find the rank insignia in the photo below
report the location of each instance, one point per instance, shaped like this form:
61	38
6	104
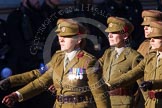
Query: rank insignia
63	29
111	24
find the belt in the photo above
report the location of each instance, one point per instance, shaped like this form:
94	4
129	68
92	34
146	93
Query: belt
153	94
73	98
120	92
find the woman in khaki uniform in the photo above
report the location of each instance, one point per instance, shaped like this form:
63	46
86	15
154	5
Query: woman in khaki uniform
76	81
150	68
114	65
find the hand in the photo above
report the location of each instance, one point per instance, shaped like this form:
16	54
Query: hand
10	99
52	89
146	85
5	84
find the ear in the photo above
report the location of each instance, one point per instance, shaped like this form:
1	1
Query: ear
79	39
125	36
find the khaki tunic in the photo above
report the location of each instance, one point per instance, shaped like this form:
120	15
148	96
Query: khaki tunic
127	60
25	78
151	71
56	75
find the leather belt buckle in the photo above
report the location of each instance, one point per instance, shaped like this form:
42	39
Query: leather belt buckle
70	99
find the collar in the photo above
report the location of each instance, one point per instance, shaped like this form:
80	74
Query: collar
119	50
72	54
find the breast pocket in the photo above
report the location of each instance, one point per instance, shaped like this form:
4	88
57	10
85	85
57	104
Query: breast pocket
120	69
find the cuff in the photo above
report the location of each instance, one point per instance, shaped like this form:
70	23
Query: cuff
19	96
108	84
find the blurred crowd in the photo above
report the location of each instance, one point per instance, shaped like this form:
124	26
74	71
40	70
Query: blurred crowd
24	34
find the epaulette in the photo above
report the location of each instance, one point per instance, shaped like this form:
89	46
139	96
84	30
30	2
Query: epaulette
128	50
110	49
59	51
84	53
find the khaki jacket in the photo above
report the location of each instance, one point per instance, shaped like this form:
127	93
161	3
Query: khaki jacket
126	61
150	70
92	77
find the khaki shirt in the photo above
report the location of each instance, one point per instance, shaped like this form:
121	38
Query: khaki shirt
92	77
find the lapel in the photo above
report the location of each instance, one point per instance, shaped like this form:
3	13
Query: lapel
109	59
108	65
122	56
72	63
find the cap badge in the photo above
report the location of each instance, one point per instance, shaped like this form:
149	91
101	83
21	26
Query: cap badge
145	18
111	24
63	29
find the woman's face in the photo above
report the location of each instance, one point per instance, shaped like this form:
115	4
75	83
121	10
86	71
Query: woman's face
69	43
147	30
156	43
117	39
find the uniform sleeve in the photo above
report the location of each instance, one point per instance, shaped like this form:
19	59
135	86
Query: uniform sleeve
24	78
37	86
27	77
139	81
129	77
97	85
40	84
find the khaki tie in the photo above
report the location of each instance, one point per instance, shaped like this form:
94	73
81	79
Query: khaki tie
66	62
115	56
